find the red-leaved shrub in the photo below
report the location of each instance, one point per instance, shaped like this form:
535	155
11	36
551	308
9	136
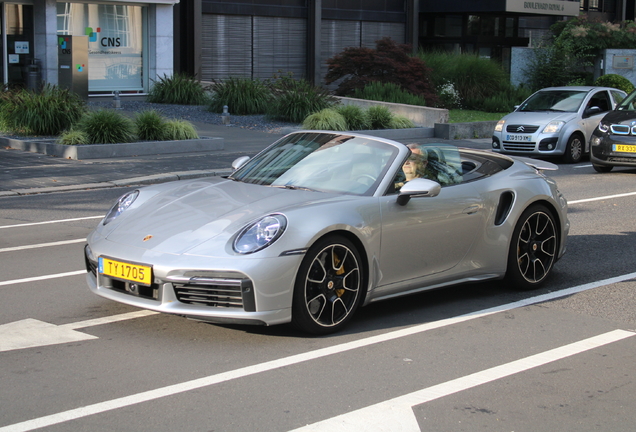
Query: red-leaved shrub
389	62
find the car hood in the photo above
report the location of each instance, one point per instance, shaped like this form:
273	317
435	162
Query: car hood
538	117
618	117
177	219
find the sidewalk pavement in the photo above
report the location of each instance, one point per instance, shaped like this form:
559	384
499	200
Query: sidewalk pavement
23	173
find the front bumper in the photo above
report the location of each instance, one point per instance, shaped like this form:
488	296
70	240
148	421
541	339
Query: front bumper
604	151
535	144
238	290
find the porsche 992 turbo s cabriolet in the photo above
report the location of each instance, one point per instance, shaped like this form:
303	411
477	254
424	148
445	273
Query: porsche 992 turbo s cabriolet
322	223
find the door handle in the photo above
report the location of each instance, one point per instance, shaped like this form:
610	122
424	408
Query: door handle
471	209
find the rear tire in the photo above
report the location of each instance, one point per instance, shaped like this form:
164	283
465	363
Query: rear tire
329	286
575	149
533	248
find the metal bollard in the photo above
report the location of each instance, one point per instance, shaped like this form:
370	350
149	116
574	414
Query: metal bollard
225	117
116	101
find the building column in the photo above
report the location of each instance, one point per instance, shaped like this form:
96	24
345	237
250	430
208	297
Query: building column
314	38
413	24
160	41
45	38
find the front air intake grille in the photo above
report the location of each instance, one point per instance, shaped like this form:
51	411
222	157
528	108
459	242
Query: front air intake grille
210	295
214	292
522	129
518	146
618	129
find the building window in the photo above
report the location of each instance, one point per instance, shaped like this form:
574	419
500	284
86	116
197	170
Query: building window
115	37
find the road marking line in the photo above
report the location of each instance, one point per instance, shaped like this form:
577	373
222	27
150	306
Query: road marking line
41	245
45	277
52	222
583	166
397	413
171	390
623	195
108	319
31	333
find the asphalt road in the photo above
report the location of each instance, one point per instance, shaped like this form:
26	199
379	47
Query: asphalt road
466	358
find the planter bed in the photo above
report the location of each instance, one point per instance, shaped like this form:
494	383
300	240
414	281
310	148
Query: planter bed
102	151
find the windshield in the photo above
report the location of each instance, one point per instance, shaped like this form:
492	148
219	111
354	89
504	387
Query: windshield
554	100
629	103
325	162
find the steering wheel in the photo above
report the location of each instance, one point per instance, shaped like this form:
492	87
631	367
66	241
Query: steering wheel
366	179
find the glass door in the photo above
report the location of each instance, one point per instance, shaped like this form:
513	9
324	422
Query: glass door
18	40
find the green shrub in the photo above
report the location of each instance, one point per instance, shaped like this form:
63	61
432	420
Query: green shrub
48	112
73	137
179	89
180	130
295	100
615	81
150	126
400	122
503	101
388	92
243	96
473	77
326	119
379	117
107	127
355	117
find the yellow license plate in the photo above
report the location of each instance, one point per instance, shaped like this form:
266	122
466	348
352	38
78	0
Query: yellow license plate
624	148
128	272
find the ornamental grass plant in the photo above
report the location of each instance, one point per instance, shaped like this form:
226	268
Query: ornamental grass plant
47	112
379	117
355	117
151	126
326	119
73	137
388	92
178	89
180	130
243	96
107	127
294	100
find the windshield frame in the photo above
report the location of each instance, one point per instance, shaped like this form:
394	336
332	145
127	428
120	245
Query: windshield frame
628	103
322	162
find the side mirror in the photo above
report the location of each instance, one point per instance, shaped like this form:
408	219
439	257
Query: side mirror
592	110
239	162
416	188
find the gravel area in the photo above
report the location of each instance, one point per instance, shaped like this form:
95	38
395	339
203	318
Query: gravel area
195	113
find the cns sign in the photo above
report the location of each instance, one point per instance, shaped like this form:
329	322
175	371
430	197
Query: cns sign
106	42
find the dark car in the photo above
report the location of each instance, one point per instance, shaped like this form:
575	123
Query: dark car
613	142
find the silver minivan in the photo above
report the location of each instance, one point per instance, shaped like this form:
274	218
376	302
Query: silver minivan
555	121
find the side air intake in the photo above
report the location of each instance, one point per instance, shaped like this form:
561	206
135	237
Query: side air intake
503	209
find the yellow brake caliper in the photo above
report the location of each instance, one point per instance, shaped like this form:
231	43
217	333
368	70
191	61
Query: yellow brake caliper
336	261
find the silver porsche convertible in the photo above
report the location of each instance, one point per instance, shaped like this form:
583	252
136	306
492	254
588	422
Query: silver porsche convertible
322	223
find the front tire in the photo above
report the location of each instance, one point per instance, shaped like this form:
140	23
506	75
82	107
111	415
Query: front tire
575	149
602	168
533	248
329	286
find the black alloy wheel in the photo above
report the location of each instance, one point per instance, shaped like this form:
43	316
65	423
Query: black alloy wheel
329	286
533	248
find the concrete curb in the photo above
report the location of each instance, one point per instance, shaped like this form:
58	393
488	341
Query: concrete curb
102	151
394	134
147	180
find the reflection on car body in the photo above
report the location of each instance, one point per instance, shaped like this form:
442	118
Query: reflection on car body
314	227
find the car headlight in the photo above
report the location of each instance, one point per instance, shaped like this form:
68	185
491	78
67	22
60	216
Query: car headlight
260	234
603	127
500	125
122	204
553	127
